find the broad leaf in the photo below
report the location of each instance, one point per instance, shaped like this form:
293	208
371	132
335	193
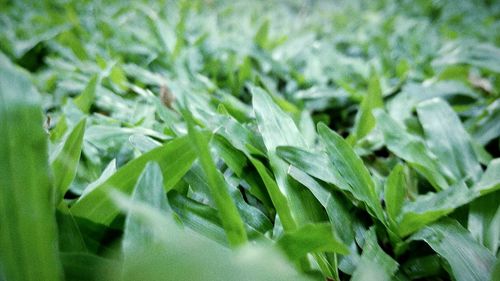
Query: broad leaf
448	140
468	260
175	159
411	149
352	169
375	264
311	238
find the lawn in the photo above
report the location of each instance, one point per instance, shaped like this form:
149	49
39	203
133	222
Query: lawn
249	140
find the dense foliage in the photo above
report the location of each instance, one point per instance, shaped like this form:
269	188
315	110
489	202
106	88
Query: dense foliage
249	140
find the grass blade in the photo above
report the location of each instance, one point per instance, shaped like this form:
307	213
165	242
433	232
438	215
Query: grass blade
219	191
28	239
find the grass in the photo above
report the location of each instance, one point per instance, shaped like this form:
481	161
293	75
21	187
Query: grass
268	140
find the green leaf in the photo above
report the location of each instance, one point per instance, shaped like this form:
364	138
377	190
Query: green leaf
395	192
276	127
28	238
473	53
490	180
219	191
69	234
311	238
85	100
199	217
278	199
235	159
321	193
365	121
175	159
180	254
87	267
261	37
65	164
238	135
496	271
375	264
337	209
352	169
448	140
432	206
421	267
468	260
118	77
59	130
484	220
315	164
148	190
411	149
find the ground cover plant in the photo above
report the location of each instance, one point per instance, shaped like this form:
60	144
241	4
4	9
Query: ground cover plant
249	140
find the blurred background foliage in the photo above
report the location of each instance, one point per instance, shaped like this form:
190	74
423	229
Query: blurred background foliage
195	110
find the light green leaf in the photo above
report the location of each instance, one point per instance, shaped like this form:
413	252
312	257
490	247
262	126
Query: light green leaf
448	140
315	164
311	238
365	121
85	100
484	221
276	127
219	191
473	53
66	162
375	264
148	190
28	239
181	254
395	192
199	217
352	169
411	149
430	207
490	180
278	199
